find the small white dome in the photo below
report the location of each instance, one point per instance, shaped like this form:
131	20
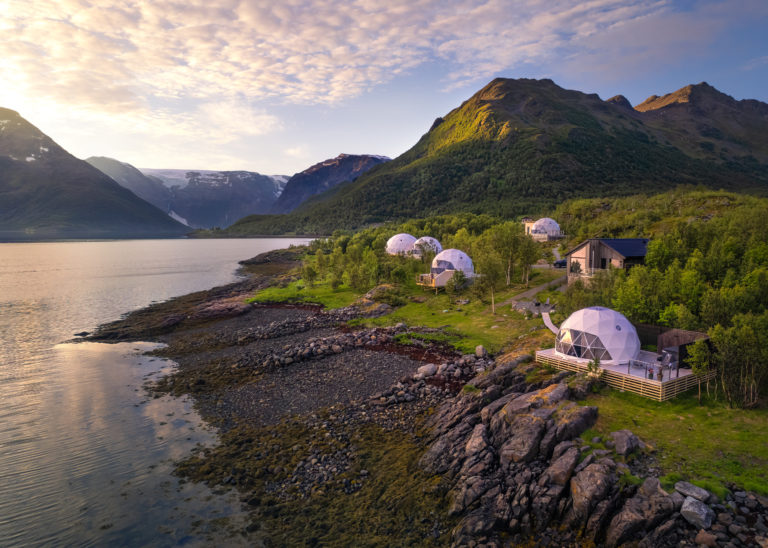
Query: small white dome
453	259
400	244
426	243
598	332
545	225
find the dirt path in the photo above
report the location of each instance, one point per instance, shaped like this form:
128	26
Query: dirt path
529	294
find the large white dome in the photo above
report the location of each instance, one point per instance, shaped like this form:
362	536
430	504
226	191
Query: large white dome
453	259
426	243
400	244
598	332
545	225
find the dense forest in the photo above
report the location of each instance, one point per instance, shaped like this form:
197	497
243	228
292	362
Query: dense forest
499	249
706	269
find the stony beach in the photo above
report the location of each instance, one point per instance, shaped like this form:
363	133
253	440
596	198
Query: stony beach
336	435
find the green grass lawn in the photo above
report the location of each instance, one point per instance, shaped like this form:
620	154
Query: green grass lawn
466	325
298	291
470	324
709	444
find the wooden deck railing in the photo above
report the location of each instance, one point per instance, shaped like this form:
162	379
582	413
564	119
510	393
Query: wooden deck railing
653	389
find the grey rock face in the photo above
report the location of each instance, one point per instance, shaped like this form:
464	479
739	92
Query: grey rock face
690	490
649	507
475	524
588	487
697	513
477	441
559	472
523	445
427	370
625	442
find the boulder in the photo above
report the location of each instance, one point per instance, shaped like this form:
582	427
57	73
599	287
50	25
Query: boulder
480	351
492	408
588	487
561	448
649	507
559	472
427	370
677	499
599	517
625	442
523	445
571	422
477	441
548	440
689	490
697	513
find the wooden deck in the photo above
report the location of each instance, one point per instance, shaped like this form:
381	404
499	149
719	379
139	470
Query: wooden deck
616	376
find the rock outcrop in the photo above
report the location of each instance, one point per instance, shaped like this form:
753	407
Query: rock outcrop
518	472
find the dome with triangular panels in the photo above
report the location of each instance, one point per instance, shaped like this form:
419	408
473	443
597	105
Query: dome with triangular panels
400	244
453	259
545	225
598	332
426	243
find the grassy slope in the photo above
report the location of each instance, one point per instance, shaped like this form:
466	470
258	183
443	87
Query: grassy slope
467	325
710	444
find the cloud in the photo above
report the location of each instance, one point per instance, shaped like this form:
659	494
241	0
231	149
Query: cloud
112	56
215	68
755	63
296	152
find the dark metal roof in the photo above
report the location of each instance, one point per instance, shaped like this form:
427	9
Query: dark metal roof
629	247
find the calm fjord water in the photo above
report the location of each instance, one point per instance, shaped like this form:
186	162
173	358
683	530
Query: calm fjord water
85	456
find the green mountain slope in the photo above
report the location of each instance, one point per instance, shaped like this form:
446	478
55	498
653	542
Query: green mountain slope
45	192
520	146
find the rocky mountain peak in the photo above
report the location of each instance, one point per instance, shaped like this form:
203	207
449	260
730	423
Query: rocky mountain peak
619	101
697	95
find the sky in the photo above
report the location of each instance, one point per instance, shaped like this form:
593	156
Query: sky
277	86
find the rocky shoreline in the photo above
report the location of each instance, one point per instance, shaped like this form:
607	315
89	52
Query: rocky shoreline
332	433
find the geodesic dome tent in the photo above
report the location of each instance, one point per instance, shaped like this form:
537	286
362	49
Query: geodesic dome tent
426	243
400	244
453	259
547	226
598	332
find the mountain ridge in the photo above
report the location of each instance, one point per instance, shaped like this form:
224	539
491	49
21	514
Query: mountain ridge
519	146
47	193
198	198
323	176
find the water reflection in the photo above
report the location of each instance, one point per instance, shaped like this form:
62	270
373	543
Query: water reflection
84	459
92	463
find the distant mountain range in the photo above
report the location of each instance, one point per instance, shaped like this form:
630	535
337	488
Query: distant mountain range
198	198
323	176
523	146
45	192
206	199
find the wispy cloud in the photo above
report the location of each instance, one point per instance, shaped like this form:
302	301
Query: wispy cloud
197	67
752	64
114	56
